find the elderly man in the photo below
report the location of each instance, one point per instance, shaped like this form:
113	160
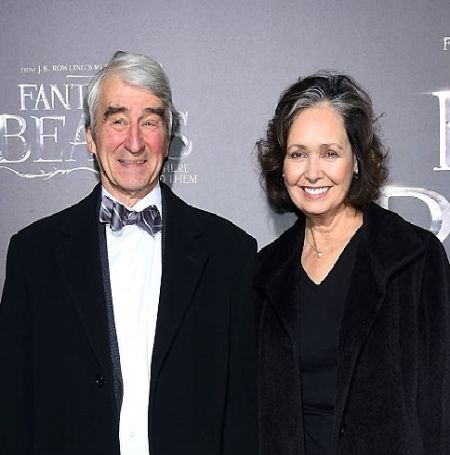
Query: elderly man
133	331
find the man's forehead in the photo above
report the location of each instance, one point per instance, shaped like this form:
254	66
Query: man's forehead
116	92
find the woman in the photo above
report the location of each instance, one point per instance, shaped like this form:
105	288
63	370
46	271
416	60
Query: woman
354	354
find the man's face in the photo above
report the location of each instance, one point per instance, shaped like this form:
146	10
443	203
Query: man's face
130	141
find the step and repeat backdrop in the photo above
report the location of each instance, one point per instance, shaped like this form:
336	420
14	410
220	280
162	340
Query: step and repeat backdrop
228	62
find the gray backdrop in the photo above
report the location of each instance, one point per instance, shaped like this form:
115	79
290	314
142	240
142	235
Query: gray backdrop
228	61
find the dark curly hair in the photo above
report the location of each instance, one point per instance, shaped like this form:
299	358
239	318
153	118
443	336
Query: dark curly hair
355	107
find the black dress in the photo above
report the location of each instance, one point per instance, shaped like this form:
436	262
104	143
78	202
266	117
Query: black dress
320	311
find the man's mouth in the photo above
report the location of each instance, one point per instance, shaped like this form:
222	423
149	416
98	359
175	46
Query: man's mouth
131	162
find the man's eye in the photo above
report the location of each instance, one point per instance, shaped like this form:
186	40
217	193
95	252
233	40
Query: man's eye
117	121
152	123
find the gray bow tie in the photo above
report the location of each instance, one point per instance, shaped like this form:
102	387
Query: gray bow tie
118	216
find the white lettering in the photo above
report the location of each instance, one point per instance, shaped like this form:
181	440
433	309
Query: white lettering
444	139
5	135
446	43
24	94
438	206
41	135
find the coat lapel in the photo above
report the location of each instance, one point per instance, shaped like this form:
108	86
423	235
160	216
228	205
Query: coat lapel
277	278
383	250
183	259
366	294
79	260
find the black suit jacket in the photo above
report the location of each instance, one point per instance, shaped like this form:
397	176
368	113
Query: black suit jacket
393	377
59	388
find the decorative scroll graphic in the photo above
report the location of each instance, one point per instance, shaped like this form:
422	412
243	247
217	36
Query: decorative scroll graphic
48	175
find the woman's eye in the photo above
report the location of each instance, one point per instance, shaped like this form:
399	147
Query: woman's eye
296	155
331	154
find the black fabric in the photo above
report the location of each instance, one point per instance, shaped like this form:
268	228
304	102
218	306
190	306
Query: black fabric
113	342
393	377
57	394
320	313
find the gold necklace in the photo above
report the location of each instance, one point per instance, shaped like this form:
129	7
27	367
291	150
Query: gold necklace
318	252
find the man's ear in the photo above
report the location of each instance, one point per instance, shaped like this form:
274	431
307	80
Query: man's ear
90	141
166	155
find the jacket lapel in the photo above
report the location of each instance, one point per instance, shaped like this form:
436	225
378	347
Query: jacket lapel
383	250
183	259
277	278
366	294
79	260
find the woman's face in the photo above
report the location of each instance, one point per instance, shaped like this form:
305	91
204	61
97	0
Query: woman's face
319	163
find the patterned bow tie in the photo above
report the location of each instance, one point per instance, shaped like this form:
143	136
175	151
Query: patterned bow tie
118	216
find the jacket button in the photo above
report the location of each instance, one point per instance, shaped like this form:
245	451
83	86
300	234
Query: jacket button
99	381
342	430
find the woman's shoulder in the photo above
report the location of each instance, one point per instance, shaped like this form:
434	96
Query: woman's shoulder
388	224
283	243
276	254
394	240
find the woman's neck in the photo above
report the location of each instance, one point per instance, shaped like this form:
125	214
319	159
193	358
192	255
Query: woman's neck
331	233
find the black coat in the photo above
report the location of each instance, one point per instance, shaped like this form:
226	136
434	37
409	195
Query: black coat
393	378
56	374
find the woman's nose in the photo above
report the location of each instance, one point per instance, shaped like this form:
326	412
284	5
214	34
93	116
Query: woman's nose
313	169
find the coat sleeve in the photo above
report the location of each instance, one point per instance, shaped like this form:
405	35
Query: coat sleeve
240	432
434	379
15	357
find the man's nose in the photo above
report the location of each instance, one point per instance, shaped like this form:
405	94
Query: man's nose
134	142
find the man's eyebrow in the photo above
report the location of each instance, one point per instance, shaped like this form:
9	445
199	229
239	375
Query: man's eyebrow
111	110
155	110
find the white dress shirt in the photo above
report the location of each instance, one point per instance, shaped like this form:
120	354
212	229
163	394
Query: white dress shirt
135	270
